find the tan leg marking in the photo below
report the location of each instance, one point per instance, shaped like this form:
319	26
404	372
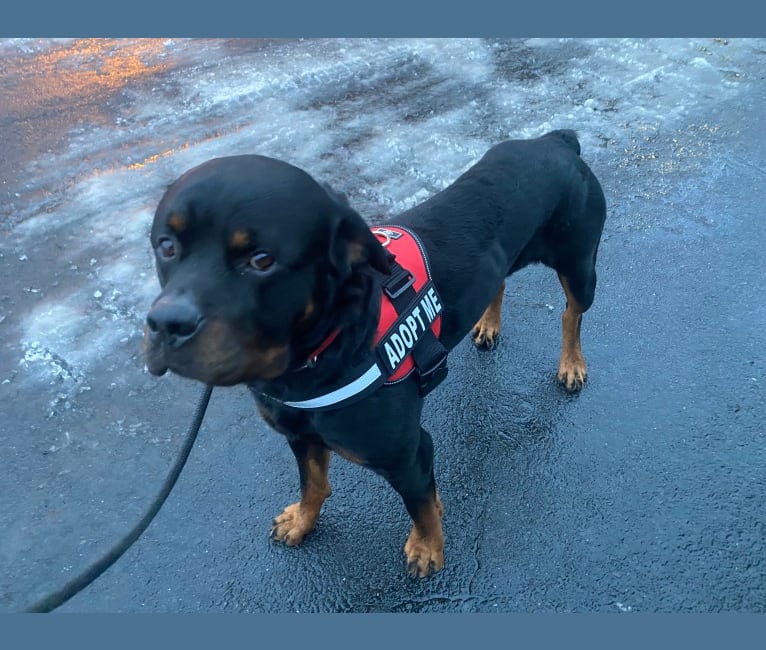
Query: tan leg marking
299	519
425	545
487	330
572	370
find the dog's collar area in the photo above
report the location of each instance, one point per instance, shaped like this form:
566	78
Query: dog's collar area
407	337
312	359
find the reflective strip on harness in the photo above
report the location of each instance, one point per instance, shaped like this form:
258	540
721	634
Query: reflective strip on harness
341	394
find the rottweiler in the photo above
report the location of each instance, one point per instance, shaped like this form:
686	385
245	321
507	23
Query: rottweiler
271	279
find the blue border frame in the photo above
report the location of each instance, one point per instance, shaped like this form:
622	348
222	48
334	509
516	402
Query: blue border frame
402	18
741	631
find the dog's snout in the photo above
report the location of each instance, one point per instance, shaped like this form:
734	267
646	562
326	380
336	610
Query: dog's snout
175	321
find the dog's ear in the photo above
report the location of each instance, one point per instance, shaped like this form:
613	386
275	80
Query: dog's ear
352	243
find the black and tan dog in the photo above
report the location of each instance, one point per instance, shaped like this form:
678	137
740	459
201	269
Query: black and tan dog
261	267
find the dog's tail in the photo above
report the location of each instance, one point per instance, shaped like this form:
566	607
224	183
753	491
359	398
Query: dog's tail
568	136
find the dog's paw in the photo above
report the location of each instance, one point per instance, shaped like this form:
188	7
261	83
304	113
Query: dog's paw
572	375
292	525
485	336
424	557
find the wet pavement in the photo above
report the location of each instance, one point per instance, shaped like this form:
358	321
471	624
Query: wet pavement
643	493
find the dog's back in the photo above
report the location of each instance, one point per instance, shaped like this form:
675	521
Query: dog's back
524	201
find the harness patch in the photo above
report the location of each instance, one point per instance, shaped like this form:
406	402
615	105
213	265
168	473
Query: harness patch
411	274
417	319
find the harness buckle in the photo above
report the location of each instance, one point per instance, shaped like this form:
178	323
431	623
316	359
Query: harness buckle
399	281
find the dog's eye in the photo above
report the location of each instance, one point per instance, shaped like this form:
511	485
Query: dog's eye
166	247
261	261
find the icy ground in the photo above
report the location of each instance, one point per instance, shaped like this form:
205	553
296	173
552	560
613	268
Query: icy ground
388	122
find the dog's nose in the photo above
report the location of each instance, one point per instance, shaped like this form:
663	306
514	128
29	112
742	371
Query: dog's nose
176	321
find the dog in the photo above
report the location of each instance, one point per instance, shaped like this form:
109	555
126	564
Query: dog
271	279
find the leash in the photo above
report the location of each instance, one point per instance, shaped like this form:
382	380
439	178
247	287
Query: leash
77	584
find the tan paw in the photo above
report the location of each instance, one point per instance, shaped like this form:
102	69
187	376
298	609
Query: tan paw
572	374
424	557
486	335
292	525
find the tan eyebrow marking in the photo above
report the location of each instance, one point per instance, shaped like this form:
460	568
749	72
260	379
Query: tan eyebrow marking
239	240
177	222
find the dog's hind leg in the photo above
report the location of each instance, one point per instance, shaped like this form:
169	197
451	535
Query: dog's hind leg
579	290
298	519
486	332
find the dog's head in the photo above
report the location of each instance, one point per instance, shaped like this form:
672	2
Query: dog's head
250	252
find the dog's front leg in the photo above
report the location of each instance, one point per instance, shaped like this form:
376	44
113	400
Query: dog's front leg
424	547
298	519
415	483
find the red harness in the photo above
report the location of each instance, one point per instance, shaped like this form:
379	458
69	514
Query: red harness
410	255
